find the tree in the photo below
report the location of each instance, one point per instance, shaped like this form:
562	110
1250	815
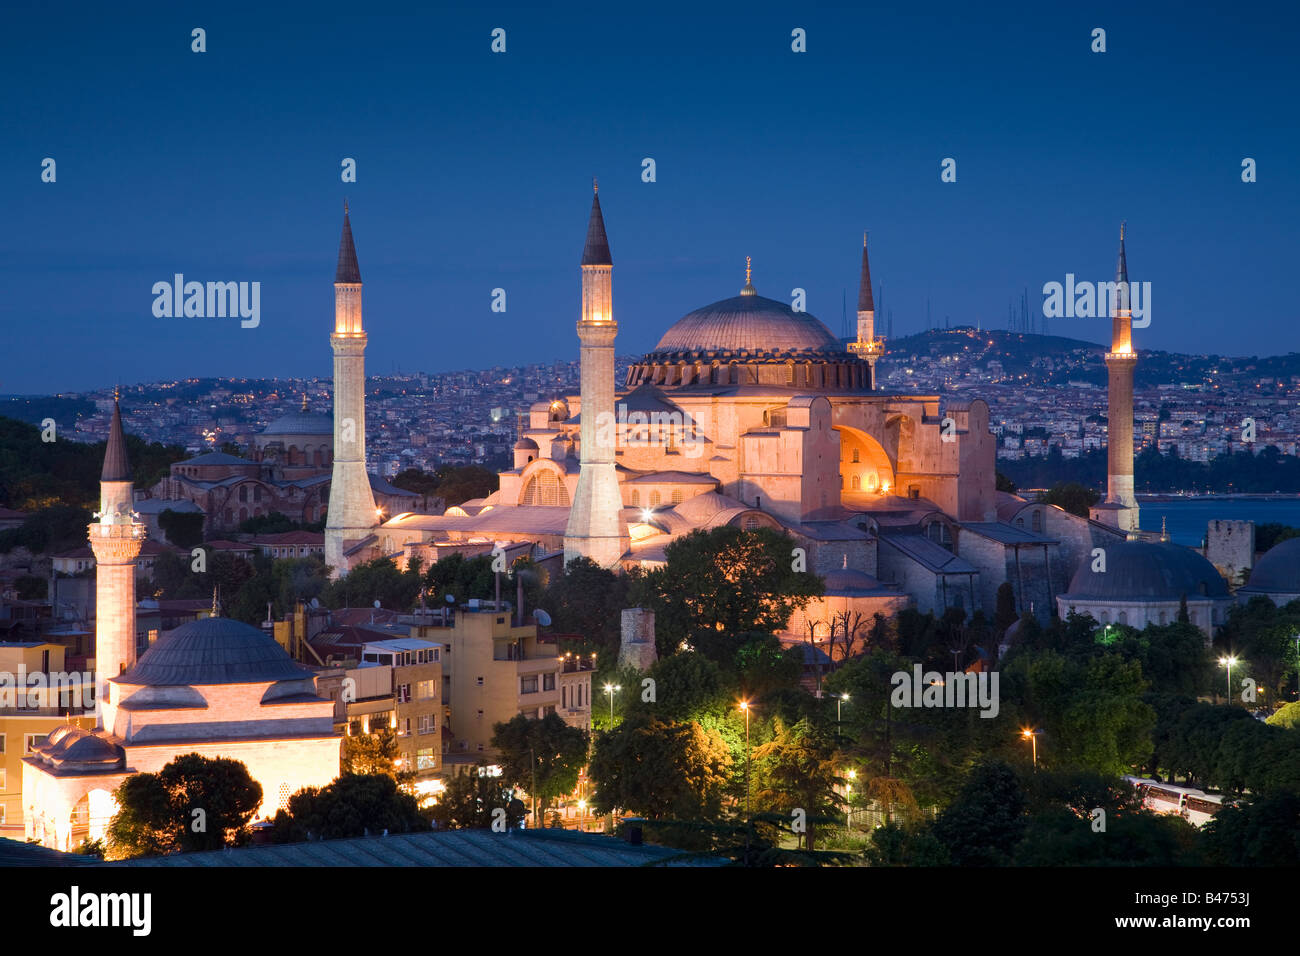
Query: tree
193	803
986	821
1287	716
182	528
587	600
1005	613
378	580
472	799
660	770
1005	484
543	756
1263	833
796	771
373	754
723	582
353	805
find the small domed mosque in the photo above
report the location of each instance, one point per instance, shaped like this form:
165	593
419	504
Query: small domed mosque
214	686
1277	575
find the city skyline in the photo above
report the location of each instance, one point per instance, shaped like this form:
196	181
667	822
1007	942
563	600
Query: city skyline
480	189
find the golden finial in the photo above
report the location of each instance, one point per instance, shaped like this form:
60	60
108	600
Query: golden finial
1121	229
345	205
748	269
216	608
595	185
864	238
117	393
304	401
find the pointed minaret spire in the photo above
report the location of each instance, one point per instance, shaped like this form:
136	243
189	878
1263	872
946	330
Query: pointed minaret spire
348	269
596	251
867	346
1122	506
749	273
116	466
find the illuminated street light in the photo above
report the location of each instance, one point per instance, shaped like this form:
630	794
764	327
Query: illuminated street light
1032	736
744	705
611	689
1228	662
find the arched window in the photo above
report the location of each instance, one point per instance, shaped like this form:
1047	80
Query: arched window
243	492
751	522
1037	522
1123	617
655	499
677	497
636	499
856	453
857	482
873	481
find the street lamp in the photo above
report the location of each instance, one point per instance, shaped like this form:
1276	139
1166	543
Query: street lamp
610	689
744	705
1032	736
848	800
839	699
1228	662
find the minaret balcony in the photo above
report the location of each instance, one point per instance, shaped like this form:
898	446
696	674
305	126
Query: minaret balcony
872	348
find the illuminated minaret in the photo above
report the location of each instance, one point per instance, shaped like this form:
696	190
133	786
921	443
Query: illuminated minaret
867	345
595	529
1120	361
116	537
352	514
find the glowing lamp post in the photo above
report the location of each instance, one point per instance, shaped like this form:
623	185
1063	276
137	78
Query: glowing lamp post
1228	662
611	689
848	799
744	706
1032	737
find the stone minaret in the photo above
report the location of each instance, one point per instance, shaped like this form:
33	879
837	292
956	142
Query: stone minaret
352	512
1120	361
116	537
867	345
595	528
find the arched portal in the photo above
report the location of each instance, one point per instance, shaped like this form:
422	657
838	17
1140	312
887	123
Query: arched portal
865	463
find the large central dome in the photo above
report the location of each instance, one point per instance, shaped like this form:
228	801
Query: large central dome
748	321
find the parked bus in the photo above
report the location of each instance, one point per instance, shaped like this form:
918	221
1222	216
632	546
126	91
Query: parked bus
1195	806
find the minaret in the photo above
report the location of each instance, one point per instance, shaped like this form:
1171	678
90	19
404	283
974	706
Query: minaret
352	512
116	537
595	528
867	345
1120	361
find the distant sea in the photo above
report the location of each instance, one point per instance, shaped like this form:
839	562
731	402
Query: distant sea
1188	518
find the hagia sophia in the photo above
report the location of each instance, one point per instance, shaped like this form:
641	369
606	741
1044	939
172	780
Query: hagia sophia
747	413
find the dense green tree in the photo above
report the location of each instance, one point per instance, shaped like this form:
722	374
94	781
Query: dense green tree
193	803
55	528
894	844
472	799
1265	832
986	821
461	578
351	806
378	580
1287	716
721	583
587	600
1263	637
182	528
660	770
543	756
376	753
797	771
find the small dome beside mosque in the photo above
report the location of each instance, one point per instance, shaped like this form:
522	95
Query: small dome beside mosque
300	423
1278	570
1148	570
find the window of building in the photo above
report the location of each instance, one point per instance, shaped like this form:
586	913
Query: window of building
426	690
480	715
405	729
428	723
3	779
2	813
655	499
480	682
354	727
548	682
677	497
564	696
403	693
857	483
528	685
381	720
427	759
243	493
636	499
1037	521
32	741
856	453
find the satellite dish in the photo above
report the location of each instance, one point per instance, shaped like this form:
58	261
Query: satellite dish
376	602
315	603
542	618
451	599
